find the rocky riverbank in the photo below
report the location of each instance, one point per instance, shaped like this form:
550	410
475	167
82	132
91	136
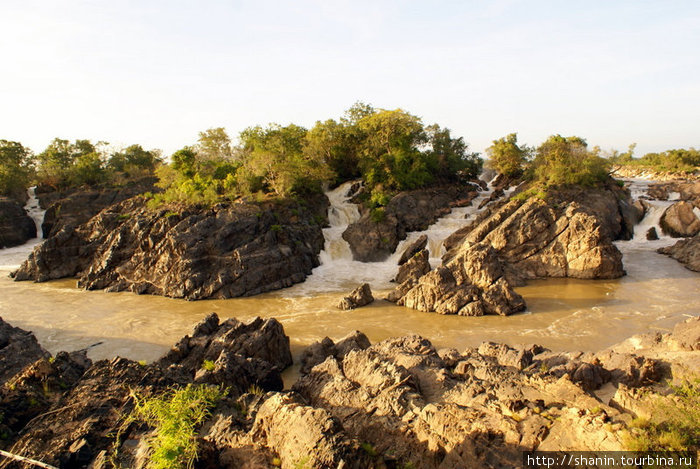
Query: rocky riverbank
395	403
226	251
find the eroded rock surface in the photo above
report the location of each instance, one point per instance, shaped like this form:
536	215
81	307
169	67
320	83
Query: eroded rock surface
360	296
16	226
685	251
222	252
680	221
397	403
372	241
519	240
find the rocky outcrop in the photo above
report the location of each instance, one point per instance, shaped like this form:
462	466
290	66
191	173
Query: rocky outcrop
651	234
225	251
374	239
686	190
414	248
18	348
685	251
16	227
360	296
74	207
680	221
516	241
397	403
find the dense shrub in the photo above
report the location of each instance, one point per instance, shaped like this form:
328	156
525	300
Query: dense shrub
16	168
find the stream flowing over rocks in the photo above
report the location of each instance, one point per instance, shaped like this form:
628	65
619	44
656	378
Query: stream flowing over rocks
397	402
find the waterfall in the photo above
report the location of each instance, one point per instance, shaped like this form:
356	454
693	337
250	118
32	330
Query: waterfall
338	271
654	210
11	258
34	210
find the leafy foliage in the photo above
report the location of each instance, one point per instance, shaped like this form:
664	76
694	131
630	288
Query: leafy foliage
674	161
507	157
175	416
16	168
567	161
675	422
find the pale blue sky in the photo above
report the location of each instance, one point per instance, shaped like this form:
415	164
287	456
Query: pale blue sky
158	72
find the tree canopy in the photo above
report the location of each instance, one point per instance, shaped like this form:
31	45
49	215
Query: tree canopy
16	168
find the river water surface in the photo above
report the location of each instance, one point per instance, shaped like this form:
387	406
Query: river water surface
563	314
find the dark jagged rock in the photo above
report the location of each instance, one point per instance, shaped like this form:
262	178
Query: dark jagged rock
361	296
413	249
680	221
396	403
233	345
318	352
652	235
16	227
74	207
685	251
372	241
226	251
18	348
519	240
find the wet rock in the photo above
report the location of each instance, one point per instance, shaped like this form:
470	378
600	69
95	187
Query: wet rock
18	348
372	241
221	252
685	251
16	226
361	296
413	249
318	352
652	235
680	221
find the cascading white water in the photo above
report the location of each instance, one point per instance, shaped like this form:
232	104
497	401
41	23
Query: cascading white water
341	213
339	272
655	209
11	258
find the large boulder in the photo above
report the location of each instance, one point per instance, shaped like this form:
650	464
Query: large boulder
372	239
226	251
16	227
685	251
680	221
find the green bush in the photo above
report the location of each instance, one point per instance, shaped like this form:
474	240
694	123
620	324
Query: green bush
674	425
175	417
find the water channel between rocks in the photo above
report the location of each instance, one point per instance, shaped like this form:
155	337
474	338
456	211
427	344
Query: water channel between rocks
563	314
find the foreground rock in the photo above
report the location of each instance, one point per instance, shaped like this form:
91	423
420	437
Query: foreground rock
373	239
360	296
397	403
680	221
18	348
685	251
226	251
16	226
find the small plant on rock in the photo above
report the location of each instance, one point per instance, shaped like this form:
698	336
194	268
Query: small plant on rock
175	415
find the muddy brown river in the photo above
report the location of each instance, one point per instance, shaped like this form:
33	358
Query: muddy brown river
563	314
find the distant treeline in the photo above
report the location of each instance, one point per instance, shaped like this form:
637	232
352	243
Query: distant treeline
391	150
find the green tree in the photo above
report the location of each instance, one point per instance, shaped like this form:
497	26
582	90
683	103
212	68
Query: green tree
16	168
184	161
214	145
276	156
506	156
449	157
134	159
566	160
63	163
